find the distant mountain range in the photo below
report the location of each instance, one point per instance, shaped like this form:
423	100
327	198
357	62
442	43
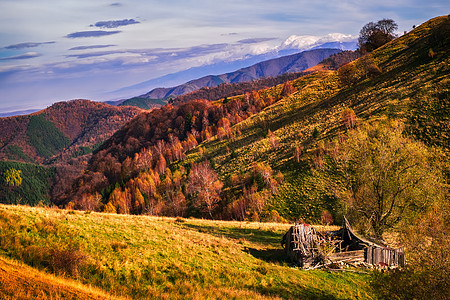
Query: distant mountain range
269	68
292	45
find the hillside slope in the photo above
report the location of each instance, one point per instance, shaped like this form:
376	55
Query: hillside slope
72	128
270	68
18	281
400	81
412	86
144	257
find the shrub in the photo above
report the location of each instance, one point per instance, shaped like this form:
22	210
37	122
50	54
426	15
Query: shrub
274	216
427	275
326	218
40	244
180	220
348	74
315	133
118	245
66	260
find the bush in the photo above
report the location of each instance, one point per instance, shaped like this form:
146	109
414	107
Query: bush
427	275
274	216
326	218
67	260
315	133
348	74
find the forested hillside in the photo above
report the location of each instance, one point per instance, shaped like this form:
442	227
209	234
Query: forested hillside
265	150
61	131
26	184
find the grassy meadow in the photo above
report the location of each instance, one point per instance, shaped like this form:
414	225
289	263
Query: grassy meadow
99	255
18	281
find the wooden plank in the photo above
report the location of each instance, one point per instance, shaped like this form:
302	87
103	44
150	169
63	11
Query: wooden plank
369	254
358	253
386	256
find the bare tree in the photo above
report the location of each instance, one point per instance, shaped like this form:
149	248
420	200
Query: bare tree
204	186
348	118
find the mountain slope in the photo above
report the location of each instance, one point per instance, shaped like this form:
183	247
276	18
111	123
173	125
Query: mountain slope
64	127
274	67
233	89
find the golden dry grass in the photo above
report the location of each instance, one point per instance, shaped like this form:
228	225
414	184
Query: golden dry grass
155	257
19	281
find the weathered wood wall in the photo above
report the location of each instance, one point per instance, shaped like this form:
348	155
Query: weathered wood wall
385	256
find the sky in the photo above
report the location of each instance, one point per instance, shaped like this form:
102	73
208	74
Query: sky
52	50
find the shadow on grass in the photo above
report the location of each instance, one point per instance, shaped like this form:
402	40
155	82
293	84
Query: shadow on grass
261	236
269	255
298	293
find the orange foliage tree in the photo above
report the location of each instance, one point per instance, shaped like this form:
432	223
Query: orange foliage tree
287	90
348	118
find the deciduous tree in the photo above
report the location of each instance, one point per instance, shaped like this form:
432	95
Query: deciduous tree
287	89
374	35
348	118
385	176
204	186
12	177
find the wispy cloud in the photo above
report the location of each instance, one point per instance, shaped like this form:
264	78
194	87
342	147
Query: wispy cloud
22	56
91	47
165	42
255	40
164	54
26	45
115	23
95	54
93	33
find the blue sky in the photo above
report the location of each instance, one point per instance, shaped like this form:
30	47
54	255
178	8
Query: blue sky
70	49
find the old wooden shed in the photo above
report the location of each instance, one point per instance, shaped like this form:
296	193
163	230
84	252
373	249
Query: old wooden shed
308	248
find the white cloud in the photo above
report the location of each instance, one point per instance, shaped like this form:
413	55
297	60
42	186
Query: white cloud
305	42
